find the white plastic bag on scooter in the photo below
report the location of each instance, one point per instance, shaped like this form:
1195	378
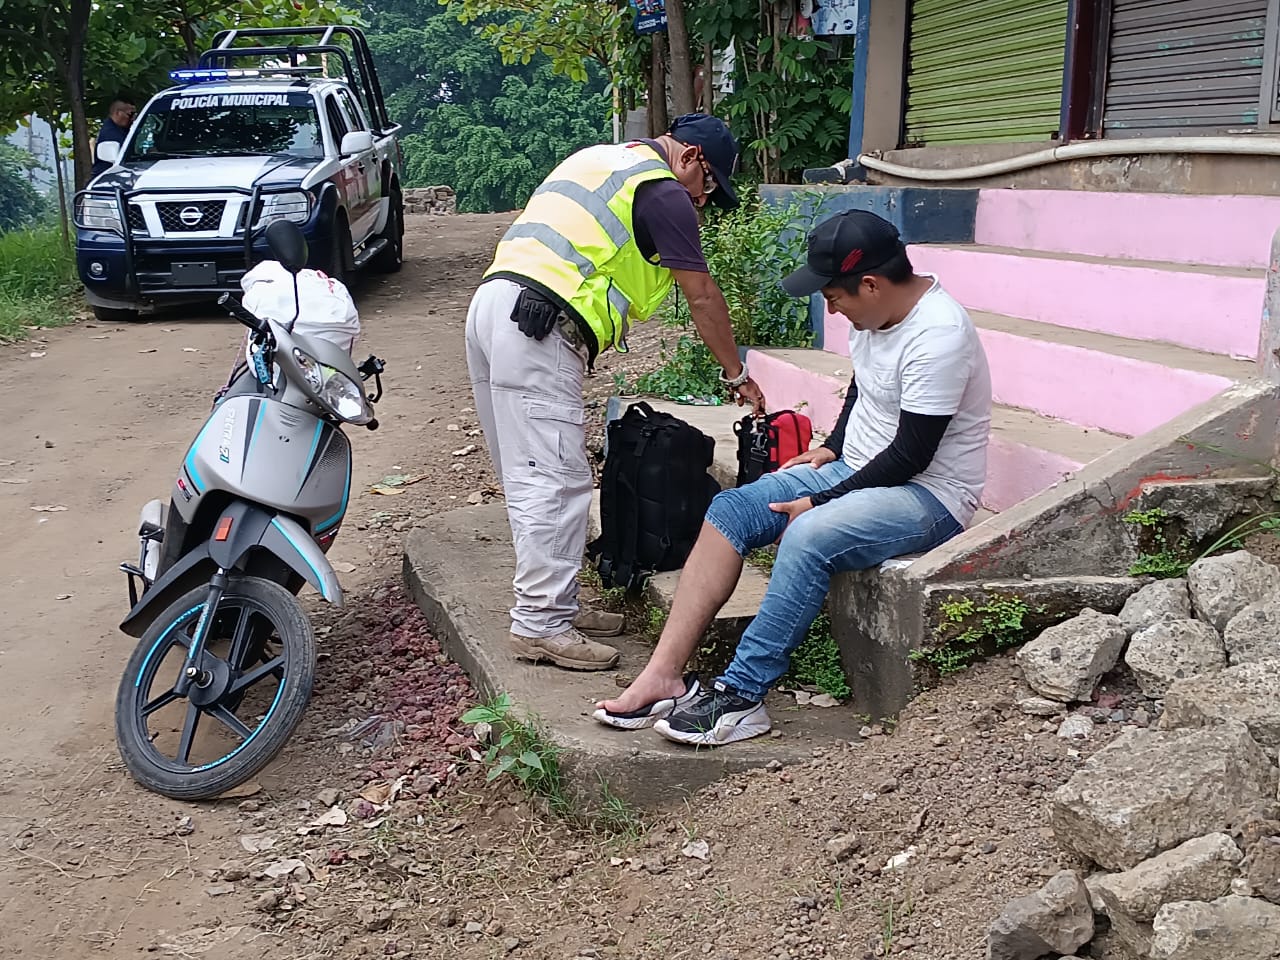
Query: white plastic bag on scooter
325	308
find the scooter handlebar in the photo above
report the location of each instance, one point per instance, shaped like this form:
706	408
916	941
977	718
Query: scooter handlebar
237	310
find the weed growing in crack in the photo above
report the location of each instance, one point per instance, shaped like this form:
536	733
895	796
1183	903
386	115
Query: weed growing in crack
655	619
967	630
518	749
816	662
763	558
1158	555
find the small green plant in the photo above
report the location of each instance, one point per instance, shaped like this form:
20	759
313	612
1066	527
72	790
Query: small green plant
655	619
518	749
617	818
1263	523
763	558
892	915
837	896
37	280
816	662
966	630
1157	555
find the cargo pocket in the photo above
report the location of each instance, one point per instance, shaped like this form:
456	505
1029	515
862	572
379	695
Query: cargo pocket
558	439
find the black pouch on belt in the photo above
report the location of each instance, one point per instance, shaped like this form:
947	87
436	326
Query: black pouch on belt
535	314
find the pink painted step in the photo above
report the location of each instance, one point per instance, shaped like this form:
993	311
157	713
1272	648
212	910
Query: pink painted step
1027	453
1215	309
1226	231
1091	379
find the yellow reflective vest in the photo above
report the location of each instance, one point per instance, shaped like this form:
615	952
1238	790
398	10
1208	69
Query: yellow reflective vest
575	239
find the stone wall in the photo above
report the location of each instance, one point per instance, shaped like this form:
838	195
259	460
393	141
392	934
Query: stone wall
433	201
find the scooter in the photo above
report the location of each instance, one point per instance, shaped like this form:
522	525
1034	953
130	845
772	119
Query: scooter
227	656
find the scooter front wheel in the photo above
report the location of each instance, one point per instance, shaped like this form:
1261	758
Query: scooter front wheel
255	678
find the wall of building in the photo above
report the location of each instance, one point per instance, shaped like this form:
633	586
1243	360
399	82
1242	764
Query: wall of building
1199	174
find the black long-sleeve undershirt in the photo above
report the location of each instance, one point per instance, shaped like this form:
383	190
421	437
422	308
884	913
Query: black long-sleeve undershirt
909	453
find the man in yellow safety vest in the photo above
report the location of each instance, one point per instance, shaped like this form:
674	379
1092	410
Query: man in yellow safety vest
598	247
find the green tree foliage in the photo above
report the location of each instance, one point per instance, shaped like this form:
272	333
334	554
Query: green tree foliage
20	203
491	132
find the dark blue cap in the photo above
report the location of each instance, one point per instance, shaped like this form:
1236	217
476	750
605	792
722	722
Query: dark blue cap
719	149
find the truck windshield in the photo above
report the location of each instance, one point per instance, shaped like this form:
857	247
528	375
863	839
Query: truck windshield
228	124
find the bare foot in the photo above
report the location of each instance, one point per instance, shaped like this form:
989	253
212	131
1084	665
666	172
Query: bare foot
644	690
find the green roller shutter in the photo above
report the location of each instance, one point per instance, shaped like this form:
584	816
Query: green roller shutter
985	71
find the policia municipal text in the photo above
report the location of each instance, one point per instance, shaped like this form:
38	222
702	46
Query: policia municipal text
598	247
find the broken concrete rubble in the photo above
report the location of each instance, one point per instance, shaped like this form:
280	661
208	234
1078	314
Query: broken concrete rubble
1263	871
1229	928
1056	919
1249	693
1222	586
1172	649
1200	869
1162	600
1066	661
1149	791
1253	634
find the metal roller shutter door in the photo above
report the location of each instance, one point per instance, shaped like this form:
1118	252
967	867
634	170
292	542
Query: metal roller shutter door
985	71
1184	66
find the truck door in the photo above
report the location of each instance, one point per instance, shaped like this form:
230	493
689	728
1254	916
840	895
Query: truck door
350	175
369	167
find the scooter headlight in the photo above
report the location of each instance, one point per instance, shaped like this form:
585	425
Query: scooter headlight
343	397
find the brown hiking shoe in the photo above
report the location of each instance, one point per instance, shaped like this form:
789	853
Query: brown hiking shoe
599	623
569	649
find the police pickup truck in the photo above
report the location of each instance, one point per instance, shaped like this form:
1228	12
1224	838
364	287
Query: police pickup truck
210	162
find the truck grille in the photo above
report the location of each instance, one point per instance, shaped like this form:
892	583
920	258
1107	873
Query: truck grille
190	216
137	222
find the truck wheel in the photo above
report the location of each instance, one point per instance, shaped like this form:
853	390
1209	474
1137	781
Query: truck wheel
335	264
391	259
116	315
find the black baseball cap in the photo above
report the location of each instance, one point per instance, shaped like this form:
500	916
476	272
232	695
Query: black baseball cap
719	149
853	242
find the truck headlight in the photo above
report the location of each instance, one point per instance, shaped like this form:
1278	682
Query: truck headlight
295	206
99	213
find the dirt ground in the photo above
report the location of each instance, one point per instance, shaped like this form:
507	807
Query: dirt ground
430	861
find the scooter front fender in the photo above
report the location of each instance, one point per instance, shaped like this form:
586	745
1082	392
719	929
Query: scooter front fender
242	528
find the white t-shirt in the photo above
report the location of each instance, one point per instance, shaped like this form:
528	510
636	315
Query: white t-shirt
931	363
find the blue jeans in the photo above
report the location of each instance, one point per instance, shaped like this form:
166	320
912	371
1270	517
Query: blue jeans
862	529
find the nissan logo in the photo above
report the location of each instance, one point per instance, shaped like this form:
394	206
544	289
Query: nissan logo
190	216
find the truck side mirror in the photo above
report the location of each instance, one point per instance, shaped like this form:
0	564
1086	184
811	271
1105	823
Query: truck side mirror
288	244
108	152
357	141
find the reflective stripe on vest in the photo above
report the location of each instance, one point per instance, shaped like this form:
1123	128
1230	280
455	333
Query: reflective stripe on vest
575	239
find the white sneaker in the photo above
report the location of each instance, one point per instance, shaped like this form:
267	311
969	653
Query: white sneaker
715	717
651	713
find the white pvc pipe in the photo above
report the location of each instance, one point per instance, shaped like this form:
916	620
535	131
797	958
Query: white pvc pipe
1251	146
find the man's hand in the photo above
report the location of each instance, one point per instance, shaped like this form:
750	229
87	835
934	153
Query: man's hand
817	457
792	508
750	392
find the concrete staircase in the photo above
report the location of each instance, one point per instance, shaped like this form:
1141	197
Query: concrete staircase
1105	317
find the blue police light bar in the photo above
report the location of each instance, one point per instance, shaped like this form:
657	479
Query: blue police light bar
208	75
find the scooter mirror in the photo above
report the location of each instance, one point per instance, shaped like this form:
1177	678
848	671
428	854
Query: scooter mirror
288	245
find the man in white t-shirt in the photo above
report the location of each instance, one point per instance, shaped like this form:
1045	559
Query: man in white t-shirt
901	473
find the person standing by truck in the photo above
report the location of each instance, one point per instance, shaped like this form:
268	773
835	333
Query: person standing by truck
598	247
114	129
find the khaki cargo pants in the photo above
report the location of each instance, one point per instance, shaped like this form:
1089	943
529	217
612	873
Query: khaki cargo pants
529	400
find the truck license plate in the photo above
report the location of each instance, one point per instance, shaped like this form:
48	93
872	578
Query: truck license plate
202	274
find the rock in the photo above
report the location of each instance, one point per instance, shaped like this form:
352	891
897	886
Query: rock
1065	661
1076	728
1264	868
1222	586
843	847
288	868
233	870
268	901
511	945
374	917
1041	707
1254	633
1230	928
328	797
1247	694
1149	791
1171	650
220	889
1162	600
473	927
1200	869
1056	919
186	826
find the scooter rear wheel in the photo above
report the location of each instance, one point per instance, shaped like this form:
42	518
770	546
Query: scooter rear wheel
257	672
